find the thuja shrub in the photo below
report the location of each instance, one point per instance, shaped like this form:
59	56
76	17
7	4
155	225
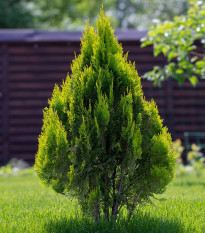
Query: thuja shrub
101	141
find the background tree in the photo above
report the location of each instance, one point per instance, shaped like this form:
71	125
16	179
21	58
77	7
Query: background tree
101	140
140	14
15	14
176	41
72	14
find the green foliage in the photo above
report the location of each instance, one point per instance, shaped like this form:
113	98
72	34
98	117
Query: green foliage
176	41
8	171
177	145
64	14
195	153
101	140
15	14
195	159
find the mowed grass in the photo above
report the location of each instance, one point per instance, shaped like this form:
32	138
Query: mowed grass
27	207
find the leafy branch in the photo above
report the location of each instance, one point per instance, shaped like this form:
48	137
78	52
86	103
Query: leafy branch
176	41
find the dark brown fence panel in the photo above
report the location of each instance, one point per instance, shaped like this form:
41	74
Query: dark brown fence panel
29	71
34	68
189	107
4	111
1	105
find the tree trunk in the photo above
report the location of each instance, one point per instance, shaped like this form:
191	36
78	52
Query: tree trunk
106	212
116	204
105	191
115	210
97	212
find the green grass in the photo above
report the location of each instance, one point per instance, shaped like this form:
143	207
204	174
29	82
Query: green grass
27	207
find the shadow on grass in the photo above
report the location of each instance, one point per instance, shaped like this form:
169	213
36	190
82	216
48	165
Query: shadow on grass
142	223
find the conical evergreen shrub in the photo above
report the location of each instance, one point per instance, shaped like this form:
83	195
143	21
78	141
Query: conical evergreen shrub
101	140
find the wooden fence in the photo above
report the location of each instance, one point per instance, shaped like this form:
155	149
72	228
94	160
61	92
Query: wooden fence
31	62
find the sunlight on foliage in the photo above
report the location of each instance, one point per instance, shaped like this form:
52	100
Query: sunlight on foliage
101	141
195	158
176	41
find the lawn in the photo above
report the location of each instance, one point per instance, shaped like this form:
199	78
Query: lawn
27	207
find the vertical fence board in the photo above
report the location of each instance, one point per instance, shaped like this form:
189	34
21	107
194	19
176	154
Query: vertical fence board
5	104
169	108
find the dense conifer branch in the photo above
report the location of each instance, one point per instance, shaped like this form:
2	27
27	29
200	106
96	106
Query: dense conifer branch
101	141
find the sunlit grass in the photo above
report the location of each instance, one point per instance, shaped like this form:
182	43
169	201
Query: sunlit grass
27	207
